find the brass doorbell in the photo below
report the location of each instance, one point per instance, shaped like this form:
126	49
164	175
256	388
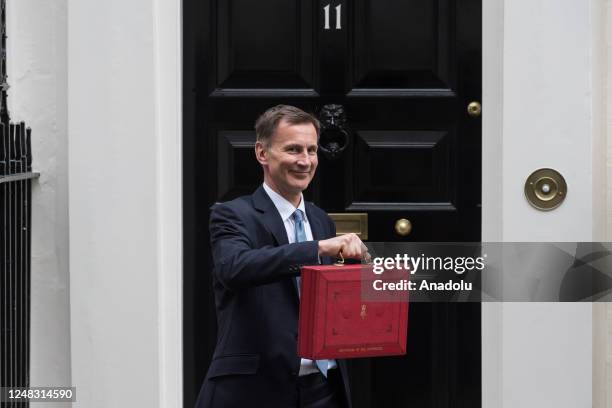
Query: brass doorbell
545	189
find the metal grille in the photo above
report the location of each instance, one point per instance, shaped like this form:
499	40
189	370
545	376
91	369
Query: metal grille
15	236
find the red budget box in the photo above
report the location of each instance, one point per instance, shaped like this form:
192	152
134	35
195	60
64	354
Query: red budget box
335	322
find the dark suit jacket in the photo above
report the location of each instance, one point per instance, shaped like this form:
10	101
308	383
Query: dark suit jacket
255	362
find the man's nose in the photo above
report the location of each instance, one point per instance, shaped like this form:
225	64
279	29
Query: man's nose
304	159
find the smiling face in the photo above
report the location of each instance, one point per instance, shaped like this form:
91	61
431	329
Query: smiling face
289	159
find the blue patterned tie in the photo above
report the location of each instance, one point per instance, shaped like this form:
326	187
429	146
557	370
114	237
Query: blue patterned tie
300	233
300	236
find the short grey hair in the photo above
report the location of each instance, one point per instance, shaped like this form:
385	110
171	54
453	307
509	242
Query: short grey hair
266	124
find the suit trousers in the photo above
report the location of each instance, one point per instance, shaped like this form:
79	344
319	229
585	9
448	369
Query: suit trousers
316	391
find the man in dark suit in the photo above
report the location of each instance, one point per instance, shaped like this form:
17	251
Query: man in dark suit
259	243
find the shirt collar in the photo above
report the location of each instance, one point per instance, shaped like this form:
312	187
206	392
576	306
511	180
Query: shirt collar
284	207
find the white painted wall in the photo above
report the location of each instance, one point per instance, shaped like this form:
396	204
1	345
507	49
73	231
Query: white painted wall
607	63
37	65
125	202
602	316
541	354
606	382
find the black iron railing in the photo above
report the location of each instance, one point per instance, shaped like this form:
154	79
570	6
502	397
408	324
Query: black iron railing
15	238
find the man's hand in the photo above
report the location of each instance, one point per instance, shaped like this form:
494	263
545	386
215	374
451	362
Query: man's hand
348	244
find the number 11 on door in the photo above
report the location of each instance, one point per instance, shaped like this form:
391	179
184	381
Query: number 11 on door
338	17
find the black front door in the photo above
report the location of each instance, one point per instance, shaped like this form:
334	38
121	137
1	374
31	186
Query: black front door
392	80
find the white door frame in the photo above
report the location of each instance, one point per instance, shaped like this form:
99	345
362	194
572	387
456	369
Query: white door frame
169	66
541	108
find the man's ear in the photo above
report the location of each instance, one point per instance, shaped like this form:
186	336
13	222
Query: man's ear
260	153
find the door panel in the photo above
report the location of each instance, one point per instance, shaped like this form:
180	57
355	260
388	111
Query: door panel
238	170
401	167
264	47
402	45
400	75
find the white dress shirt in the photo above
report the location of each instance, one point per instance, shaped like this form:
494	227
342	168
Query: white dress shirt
286	210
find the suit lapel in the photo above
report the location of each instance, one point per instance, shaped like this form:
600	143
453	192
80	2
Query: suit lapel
274	223
271	218
315	224
318	231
